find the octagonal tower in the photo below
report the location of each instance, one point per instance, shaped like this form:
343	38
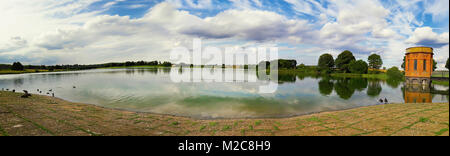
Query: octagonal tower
419	65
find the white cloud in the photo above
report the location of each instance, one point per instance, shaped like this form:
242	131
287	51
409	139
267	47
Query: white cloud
13	44
64	32
425	36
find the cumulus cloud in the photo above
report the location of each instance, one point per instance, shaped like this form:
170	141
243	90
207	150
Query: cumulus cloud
65	32
13	44
425	36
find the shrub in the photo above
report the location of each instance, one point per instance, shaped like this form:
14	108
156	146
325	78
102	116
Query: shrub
394	73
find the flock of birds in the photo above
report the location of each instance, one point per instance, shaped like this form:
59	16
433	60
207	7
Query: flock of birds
385	101
39	91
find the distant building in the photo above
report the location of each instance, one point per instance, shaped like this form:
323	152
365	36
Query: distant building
419	65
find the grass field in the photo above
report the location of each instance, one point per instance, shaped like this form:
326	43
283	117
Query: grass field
440	74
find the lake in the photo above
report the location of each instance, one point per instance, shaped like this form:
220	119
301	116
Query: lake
153	90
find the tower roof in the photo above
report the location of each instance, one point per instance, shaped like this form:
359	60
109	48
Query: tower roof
419	50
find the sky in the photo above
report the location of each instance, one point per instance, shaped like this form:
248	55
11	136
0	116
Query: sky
99	31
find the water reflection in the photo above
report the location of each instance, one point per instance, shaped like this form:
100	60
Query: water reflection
234	96
422	93
326	86
374	88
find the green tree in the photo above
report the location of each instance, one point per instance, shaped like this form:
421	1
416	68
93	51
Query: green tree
285	64
434	65
17	66
447	64
326	61
344	59
358	67
375	61
394	73
403	64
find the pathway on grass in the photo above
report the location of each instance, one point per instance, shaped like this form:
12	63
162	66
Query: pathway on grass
42	115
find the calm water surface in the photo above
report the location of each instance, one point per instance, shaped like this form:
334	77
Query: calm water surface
152	90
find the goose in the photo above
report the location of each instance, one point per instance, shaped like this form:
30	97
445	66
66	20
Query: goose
385	100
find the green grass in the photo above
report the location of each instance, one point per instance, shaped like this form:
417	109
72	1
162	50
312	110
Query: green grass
276	128
174	123
376	76
444	83
24	71
440	74
158	66
202	127
382	76
212	124
422	119
226	127
442	131
3	132
257	122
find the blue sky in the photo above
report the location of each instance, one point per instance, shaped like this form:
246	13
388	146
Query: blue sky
99	31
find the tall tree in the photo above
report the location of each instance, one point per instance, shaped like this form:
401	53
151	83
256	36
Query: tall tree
447	64
403	64
434	65
326	61
17	66
375	61
344	59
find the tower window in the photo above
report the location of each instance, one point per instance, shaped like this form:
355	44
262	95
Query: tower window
415	65
424	65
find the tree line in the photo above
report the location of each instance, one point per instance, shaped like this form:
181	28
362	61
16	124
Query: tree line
18	66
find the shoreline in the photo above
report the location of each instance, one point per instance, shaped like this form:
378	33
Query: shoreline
44	115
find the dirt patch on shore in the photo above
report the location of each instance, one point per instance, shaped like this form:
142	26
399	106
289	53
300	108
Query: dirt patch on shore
43	115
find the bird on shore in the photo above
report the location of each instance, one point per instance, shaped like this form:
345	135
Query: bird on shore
50	90
26	95
37	90
53	94
40	92
13	90
381	100
74	87
385	101
48	93
7	89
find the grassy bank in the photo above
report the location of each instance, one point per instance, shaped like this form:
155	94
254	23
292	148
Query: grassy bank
382	76
27	71
118	67
438	82
42	115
